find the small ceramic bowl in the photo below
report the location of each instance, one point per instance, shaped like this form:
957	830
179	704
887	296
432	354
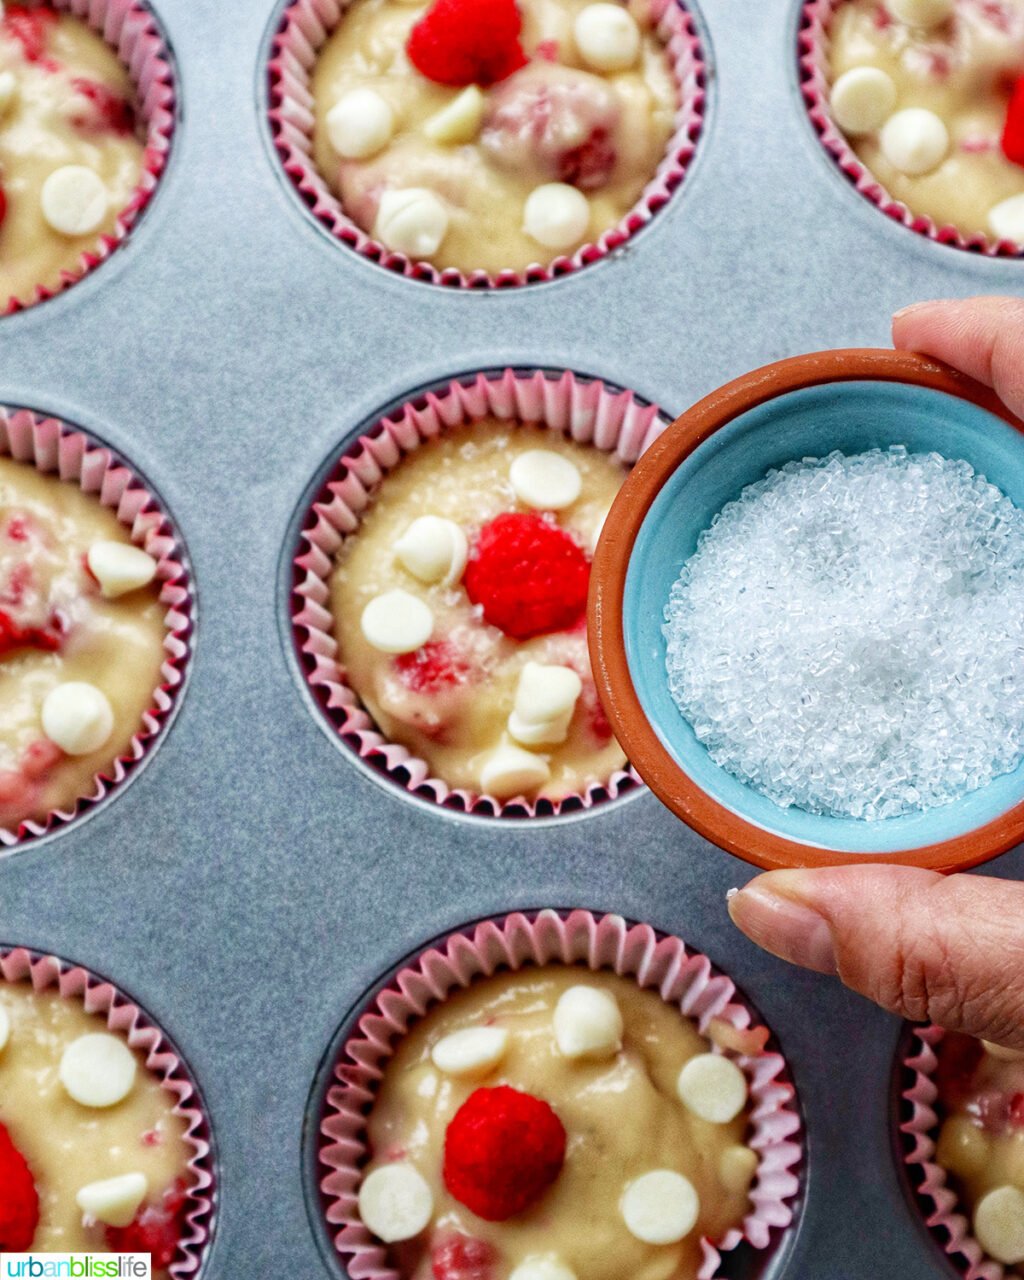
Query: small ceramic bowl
805	407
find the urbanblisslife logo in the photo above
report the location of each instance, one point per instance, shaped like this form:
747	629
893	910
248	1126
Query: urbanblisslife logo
76	1266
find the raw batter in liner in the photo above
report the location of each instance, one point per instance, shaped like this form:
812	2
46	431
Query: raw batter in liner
65	100
485	181
622	1114
68	1145
961	69
981	1142
464	476
47	527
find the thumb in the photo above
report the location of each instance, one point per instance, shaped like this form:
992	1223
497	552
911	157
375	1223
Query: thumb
929	947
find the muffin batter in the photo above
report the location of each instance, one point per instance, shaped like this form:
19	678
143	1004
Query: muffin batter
58	628
981	1143
947	165
67	108
451	700
476	155
621	1111
68	1145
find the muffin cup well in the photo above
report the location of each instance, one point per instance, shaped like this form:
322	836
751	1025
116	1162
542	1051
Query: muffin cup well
305	27
56	449
130	28
815	24
125	1018
683	978
944	1214
585	411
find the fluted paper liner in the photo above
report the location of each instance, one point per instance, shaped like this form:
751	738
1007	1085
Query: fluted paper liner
68	454
306	25
816	21
683	978
946	1220
130	28
586	411
126	1019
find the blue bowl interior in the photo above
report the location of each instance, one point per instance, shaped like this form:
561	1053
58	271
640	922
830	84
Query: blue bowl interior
851	417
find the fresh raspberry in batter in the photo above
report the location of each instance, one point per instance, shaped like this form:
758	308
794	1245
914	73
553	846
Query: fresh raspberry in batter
463	42
19	1202
528	576
459	1257
502	1151
156	1229
434	667
1013	130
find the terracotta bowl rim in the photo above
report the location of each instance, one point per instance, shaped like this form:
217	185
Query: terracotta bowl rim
662	773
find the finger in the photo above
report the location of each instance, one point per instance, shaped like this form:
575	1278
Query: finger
982	337
928	947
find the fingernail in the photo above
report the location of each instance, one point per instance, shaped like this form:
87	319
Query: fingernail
783	925
916	306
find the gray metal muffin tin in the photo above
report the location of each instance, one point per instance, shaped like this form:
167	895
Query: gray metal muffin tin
253	882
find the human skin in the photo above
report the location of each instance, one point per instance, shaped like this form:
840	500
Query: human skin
946	949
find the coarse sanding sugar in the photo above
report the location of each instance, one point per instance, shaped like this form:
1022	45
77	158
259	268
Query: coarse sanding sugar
848	636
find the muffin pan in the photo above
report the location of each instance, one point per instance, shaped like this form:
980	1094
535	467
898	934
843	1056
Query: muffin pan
253	882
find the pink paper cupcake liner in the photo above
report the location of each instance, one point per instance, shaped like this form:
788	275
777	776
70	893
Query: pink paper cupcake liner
306	25
131	29
815	25
54	448
585	410
125	1018
943	1216
683	978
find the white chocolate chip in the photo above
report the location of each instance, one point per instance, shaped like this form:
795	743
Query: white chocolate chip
120	568
862	99
74	200
8	87
77	717
413	221
511	771
660	1207
1001	1053
556	215
915	141
360	124
460	120
587	1023
472	1053
1006	219
713	1088
921	13
545	701
397	622
433	549
736	1168
98	1070
395	1202
999	1224
607	37
545	480
546	1266
5	1027
114	1201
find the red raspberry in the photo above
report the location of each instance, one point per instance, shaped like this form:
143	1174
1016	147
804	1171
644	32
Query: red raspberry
107	110
39	757
529	576
459	1257
19	1203
1013	130
155	1229
13	637
502	1151
434	667
462	42
959	1057
1017	1111
31	29
3	205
